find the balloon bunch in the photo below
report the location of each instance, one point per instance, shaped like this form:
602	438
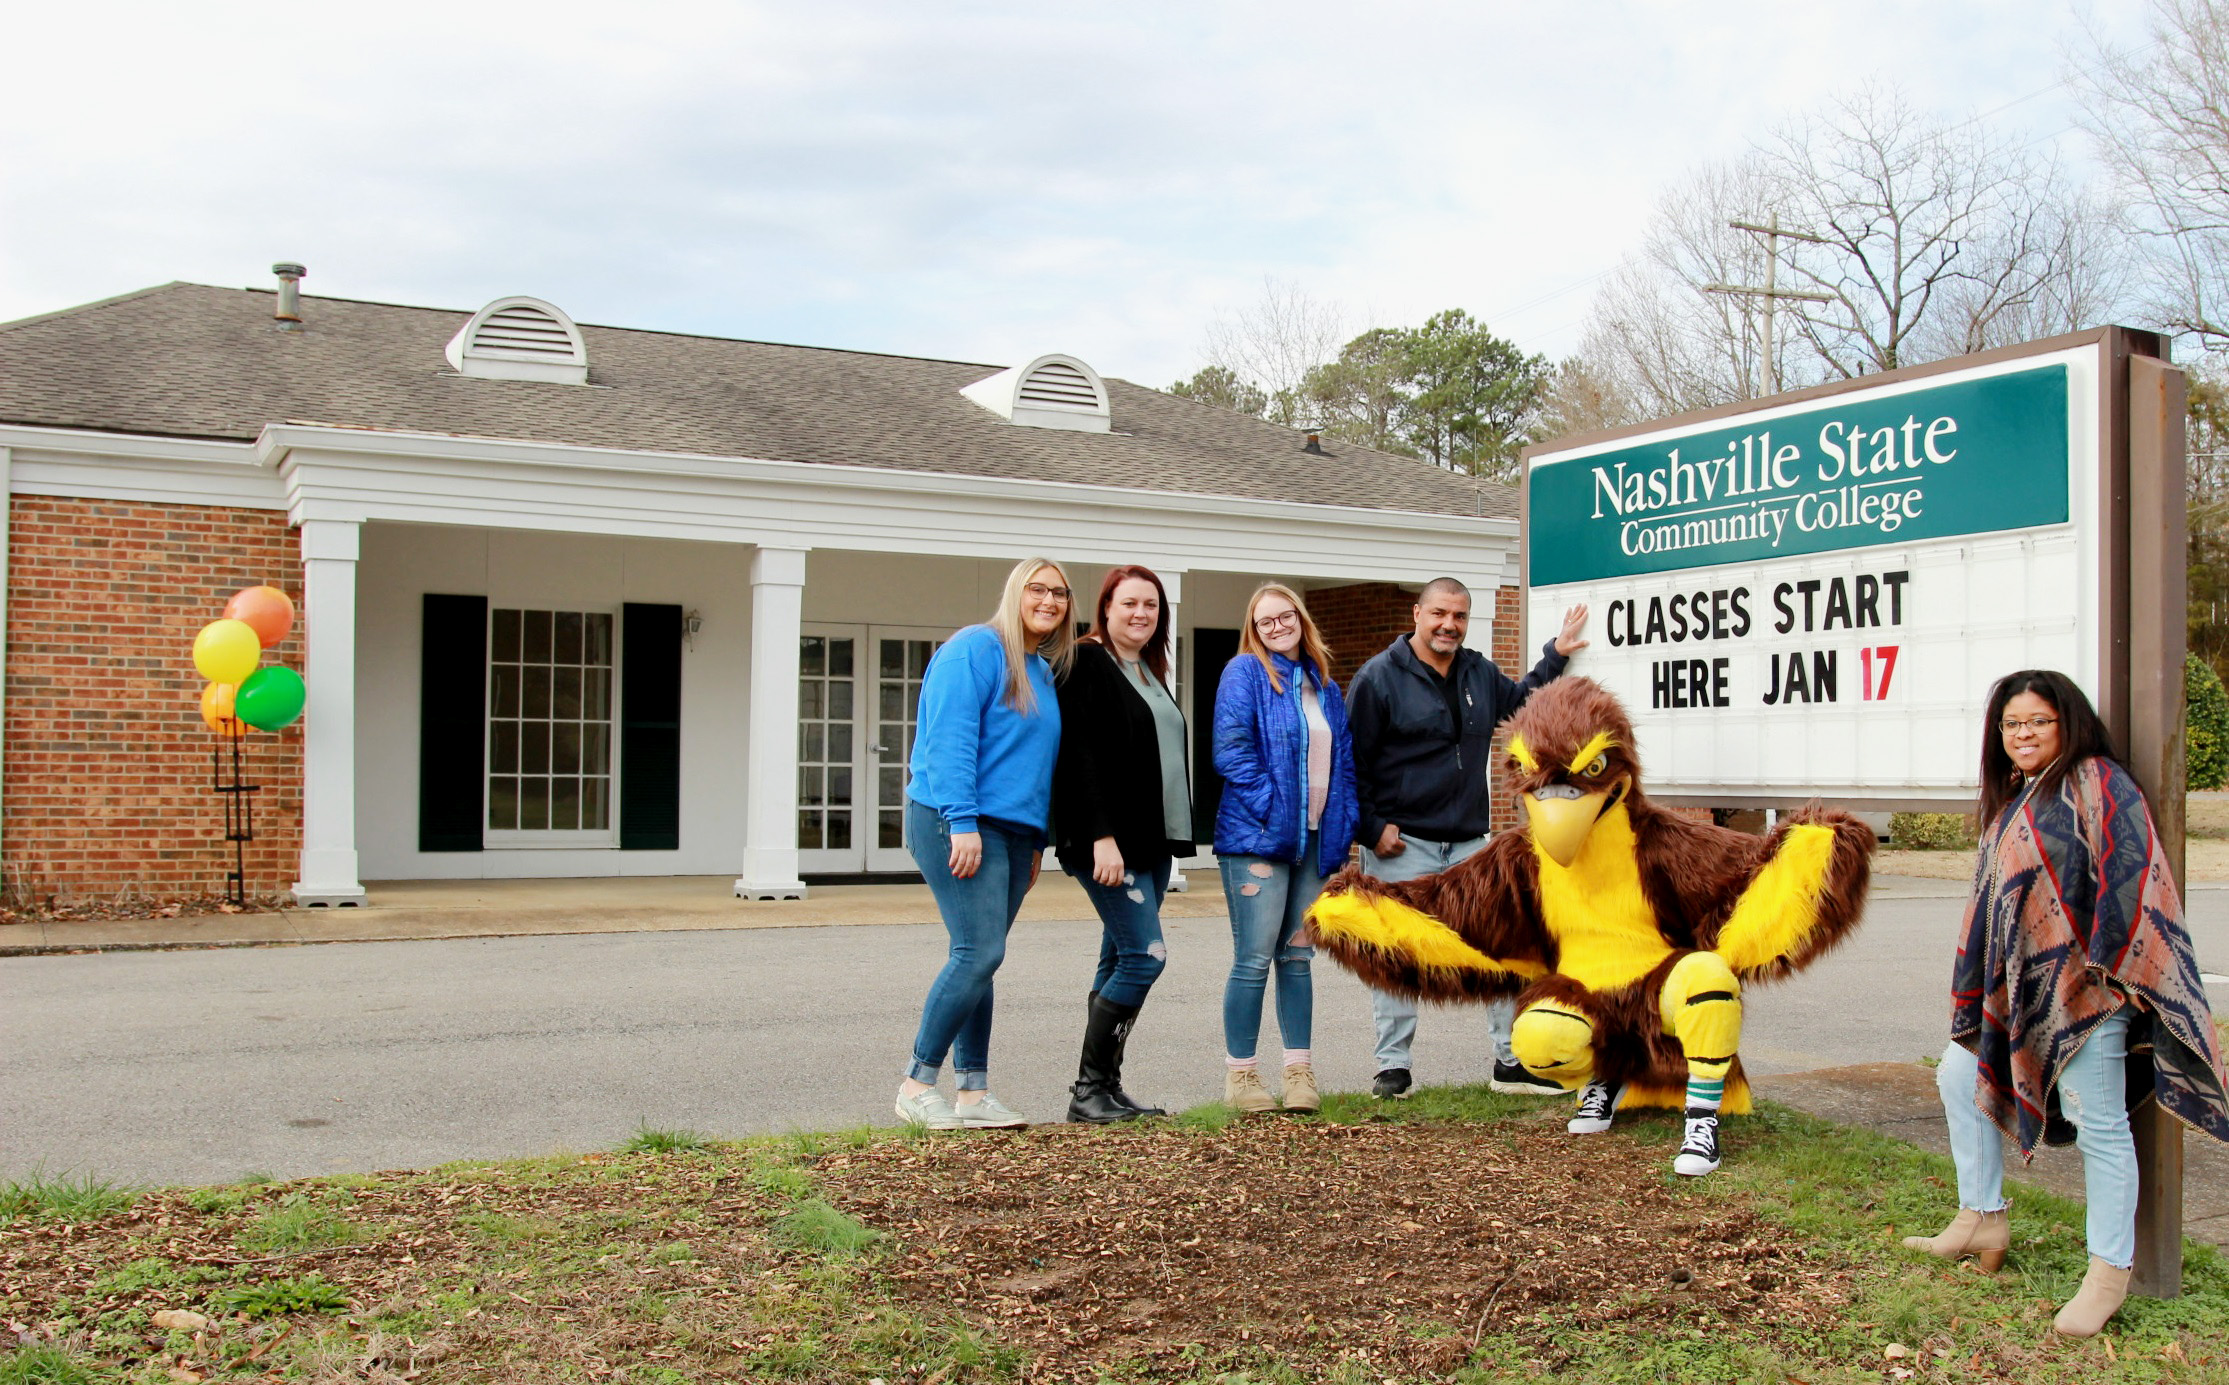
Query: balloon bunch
240	694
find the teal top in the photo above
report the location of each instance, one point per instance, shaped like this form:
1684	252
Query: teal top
1168	731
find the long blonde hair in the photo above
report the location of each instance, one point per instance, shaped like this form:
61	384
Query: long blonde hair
1312	646
1059	648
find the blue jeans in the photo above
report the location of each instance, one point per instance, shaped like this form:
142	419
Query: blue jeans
1396	1014
1131	953
2093	1094
1269	901
977	911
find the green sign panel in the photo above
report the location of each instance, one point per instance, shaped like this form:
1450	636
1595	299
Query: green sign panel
1975	457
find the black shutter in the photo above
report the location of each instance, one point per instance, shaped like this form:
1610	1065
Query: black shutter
452	723
650	728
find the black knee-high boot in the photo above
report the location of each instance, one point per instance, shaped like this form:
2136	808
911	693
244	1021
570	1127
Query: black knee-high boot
1097	1096
1119	1094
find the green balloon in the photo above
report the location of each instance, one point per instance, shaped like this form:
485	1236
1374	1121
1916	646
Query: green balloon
271	698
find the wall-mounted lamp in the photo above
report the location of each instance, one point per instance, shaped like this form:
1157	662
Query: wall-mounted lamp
690	624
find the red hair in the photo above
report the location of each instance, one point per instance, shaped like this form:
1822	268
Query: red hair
1156	651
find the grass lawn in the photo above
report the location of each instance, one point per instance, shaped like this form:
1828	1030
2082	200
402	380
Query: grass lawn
1457	1236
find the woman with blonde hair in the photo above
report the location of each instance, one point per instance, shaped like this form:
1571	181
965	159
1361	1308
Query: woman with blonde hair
1287	818
977	809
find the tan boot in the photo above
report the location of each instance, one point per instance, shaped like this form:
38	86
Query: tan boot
1984	1235
1300	1088
2103	1291
1243	1091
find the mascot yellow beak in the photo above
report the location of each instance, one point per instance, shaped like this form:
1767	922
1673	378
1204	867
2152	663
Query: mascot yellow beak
1561	817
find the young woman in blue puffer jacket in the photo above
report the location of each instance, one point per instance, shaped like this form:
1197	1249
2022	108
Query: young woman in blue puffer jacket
1287	818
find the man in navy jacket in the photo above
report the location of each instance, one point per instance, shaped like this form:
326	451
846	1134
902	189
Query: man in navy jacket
1423	713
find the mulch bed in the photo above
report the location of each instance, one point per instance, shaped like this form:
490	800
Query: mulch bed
1401	1244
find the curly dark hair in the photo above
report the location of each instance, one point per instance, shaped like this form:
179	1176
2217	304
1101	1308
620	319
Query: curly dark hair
2082	735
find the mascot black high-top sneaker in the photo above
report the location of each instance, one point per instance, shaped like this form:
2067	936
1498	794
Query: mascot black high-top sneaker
1598	1106
1698	1153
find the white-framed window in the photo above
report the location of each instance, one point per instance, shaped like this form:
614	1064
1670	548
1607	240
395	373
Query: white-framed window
550	728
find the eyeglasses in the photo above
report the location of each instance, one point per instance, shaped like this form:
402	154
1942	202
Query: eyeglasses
1265	624
2012	726
1038	591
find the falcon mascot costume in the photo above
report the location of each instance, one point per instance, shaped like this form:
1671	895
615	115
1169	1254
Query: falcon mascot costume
1626	931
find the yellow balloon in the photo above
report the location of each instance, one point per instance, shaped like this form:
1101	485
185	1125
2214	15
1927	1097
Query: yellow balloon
227	651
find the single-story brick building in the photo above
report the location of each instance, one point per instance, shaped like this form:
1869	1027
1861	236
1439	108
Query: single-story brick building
590	601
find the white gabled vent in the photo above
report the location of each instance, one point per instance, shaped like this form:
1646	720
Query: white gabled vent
520	339
1049	392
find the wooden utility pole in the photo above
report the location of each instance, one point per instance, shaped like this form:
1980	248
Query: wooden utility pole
1768	368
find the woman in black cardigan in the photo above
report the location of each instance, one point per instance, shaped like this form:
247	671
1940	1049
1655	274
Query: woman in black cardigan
1121	815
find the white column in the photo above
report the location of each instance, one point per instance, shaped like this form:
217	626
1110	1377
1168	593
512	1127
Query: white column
1173	584
770	826
329	549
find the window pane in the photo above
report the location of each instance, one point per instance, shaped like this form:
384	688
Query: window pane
839	744
534	804
595	749
534	747
593	795
893	658
503	803
839	700
808	829
536	702
565	804
595	694
839	830
890	785
568	637
913	702
565	748
565	702
839	657
893	828
506	683
503	747
886	736
917	656
812	656
808	742
839	787
506	637
537	624
598	638
809	785
893	702
811	698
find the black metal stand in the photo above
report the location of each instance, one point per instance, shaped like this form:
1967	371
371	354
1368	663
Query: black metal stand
239	827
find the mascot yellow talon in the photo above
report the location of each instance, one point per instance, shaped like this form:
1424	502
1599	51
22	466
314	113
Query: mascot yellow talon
1629	931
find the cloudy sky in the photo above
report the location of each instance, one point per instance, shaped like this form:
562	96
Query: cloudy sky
970	180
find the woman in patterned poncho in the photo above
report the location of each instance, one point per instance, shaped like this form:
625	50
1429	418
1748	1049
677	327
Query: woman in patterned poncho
2073	953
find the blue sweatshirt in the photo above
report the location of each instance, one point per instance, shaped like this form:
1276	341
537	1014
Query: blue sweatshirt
974	757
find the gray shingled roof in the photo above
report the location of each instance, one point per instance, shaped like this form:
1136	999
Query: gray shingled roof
191	360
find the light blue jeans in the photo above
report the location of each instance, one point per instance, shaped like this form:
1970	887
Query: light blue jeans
1262	925
2093	1093
978	912
1131	951
1396	1014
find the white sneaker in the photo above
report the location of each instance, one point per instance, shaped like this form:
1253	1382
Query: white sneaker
929	1110
1698	1153
1598	1107
988	1114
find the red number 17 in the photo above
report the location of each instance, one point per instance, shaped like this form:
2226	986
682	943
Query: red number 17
1876	692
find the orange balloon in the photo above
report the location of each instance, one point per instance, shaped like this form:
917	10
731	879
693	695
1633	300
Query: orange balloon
266	610
216	710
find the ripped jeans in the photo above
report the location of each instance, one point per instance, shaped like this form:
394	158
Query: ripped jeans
1131	953
1268	902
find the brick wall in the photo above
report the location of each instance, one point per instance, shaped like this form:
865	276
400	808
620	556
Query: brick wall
107	762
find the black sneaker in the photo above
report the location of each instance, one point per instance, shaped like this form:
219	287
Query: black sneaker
1698	1153
1598	1106
1391	1085
1515	1079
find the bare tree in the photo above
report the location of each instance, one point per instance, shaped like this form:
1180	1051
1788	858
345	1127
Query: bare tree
2160	116
1273	344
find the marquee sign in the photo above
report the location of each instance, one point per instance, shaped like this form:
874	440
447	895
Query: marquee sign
1811	596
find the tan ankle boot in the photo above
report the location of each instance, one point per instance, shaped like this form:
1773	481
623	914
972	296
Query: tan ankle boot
2103	1291
1984	1235
1243	1091
1300	1088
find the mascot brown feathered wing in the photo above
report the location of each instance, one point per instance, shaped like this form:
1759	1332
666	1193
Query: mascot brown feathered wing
1626	931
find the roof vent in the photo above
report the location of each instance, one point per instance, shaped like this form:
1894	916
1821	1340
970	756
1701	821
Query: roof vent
520	339
1049	392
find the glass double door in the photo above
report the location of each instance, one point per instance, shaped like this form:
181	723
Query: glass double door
858	700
